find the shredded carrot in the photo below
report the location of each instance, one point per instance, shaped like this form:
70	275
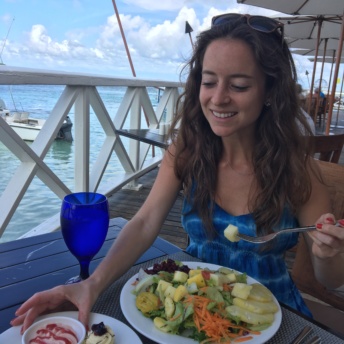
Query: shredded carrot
216	328
204	289
227	287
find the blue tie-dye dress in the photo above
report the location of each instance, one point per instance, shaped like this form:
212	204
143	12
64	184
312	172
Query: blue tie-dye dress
265	265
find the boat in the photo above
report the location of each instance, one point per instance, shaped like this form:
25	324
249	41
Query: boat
28	128
338	104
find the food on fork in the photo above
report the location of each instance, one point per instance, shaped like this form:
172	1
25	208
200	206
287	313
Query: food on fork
100	334
231	233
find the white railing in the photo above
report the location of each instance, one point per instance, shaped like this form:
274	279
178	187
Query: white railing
80	91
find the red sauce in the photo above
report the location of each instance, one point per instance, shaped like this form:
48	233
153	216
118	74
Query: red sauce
54	332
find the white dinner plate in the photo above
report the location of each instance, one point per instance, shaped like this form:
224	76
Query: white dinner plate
147	328
123	333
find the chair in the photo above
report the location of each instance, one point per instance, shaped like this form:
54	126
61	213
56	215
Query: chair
318	109
327	147
302	270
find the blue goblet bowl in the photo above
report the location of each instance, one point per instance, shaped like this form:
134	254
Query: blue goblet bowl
84	223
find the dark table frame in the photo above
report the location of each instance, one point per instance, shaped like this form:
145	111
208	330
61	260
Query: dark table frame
150	136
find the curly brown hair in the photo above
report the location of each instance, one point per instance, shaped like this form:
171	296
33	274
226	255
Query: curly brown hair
280	153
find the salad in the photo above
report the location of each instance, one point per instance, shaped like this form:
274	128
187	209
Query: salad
206	305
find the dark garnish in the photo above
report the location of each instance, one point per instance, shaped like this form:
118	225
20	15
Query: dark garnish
99	329
168	265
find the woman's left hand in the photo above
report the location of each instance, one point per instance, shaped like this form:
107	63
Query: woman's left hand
328	239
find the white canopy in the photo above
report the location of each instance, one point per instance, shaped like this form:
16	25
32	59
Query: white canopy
300	6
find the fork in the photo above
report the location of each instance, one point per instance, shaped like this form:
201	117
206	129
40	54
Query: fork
302	335
265	238
314	340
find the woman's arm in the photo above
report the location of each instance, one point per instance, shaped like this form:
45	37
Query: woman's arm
135	238
326	244
140	232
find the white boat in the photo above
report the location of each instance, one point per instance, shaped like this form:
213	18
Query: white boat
339	104
28	128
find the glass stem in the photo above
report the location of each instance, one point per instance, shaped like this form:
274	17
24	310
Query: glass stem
84	269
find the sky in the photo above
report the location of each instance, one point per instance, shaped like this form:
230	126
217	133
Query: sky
83	36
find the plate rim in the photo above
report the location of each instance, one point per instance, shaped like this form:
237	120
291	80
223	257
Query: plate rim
125	307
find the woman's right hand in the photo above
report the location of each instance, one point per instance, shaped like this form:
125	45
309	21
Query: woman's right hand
79	296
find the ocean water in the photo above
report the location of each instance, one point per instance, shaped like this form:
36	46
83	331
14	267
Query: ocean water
39	202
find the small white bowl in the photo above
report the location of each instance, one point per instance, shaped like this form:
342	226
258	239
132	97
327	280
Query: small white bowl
75	325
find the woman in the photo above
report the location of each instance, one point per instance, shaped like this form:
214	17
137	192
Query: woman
241	159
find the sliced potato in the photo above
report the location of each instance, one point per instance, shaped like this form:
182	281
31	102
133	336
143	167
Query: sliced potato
241	290
256	306
162	325
162	285
250	317
169	307
260	293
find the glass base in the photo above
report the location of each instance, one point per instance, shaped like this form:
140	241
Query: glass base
74	279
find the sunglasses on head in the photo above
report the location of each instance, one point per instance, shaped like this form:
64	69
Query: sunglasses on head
258	23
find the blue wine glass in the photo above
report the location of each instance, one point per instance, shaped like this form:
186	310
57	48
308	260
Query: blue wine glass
84	224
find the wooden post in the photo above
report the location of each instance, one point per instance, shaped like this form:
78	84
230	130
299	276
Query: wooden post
313	75
319	86
331	72
335	76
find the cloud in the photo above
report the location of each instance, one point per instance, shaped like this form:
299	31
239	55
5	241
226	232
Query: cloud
167	40
162	5
157	50
40	43
164	45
